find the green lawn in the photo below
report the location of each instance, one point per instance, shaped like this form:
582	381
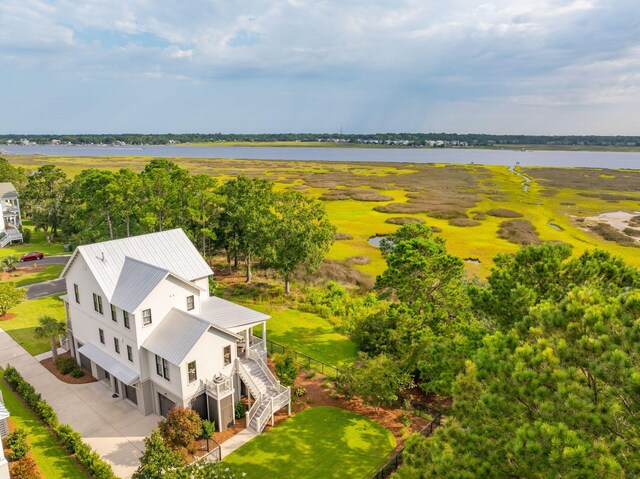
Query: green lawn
21	327
52	459
321	442
37	243
52	271
309	334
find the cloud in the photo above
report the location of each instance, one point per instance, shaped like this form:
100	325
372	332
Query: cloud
539	53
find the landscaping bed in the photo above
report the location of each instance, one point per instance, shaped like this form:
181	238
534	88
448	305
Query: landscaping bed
67	378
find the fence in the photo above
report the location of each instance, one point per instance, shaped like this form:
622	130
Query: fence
214	455
395	461
304	360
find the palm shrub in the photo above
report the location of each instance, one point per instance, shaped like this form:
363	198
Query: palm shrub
10	263
50	327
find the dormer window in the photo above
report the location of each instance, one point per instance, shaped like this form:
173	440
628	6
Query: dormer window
191	303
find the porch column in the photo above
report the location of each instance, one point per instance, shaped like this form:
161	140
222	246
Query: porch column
264	334
248	399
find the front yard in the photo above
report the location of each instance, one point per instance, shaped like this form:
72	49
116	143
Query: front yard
25	276
22	319
52	459
320	442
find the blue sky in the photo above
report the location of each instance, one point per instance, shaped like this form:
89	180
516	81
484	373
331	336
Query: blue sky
525	66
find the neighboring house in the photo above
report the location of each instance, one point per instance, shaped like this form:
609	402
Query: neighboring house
140	318
10	211
4	431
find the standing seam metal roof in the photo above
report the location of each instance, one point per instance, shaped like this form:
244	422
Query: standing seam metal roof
7	190
176	335
108	363
225	314
169	250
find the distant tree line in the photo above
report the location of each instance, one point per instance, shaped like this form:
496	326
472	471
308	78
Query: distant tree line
414	139
245	218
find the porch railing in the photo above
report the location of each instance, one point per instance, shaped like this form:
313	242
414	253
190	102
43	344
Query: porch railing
246	377
258	358
219	389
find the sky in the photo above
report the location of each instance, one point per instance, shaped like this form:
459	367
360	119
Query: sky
366	66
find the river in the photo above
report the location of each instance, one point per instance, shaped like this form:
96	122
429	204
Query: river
586	159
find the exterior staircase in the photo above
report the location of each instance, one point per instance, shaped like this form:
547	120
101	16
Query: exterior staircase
10	235
268	394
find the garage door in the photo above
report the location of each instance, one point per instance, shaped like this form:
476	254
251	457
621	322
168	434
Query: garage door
199	405
85	362
166	405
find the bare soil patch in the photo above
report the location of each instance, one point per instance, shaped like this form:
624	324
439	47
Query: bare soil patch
404	220
617	226
504	213
66	378
464	222
7	316
519	232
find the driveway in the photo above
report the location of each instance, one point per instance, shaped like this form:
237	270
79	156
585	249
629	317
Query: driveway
45	260
114	429
39	290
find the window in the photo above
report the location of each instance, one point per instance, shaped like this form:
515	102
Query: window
76	293
146	317
129	353
191	369
116	345
190	303
227	355
101	333
125	316
162	367
97	303
114	314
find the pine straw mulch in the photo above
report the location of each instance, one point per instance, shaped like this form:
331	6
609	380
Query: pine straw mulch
67	378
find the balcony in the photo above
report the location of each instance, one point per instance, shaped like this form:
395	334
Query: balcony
220	387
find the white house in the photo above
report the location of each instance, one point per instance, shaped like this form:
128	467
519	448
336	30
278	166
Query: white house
10	219
140	318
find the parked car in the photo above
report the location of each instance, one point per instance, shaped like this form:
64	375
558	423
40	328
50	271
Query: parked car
34	255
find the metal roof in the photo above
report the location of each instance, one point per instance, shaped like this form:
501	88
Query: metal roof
169	250
177	334
108	363
7	190
137	280
225	314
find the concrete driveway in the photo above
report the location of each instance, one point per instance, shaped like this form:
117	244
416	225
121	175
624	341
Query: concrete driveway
113	428
39	290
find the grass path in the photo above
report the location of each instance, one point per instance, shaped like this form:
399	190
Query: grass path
53	460
318	443
21	327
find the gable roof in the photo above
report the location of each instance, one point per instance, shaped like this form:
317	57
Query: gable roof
177	334
137	280
225	314
7	190
171	251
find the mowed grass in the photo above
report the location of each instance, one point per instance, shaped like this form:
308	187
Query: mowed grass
21	327
48	273
52	459
309	334
318	443
37	243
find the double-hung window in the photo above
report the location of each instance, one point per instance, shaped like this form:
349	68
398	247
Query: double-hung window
101	334
191	370
97	303
116	345
227	355
129	353
125	317
191	303
146	317
162	367
114	314
76	293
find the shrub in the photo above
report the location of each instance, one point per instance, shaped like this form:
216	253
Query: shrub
10	296
26	235
77	372
299	391
69	437
286	368
181	428
25	468
31	397
46	413
240	410
17	442
66	364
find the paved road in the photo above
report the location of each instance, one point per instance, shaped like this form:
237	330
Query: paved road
47	288
46	260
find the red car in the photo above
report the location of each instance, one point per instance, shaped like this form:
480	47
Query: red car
32	256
